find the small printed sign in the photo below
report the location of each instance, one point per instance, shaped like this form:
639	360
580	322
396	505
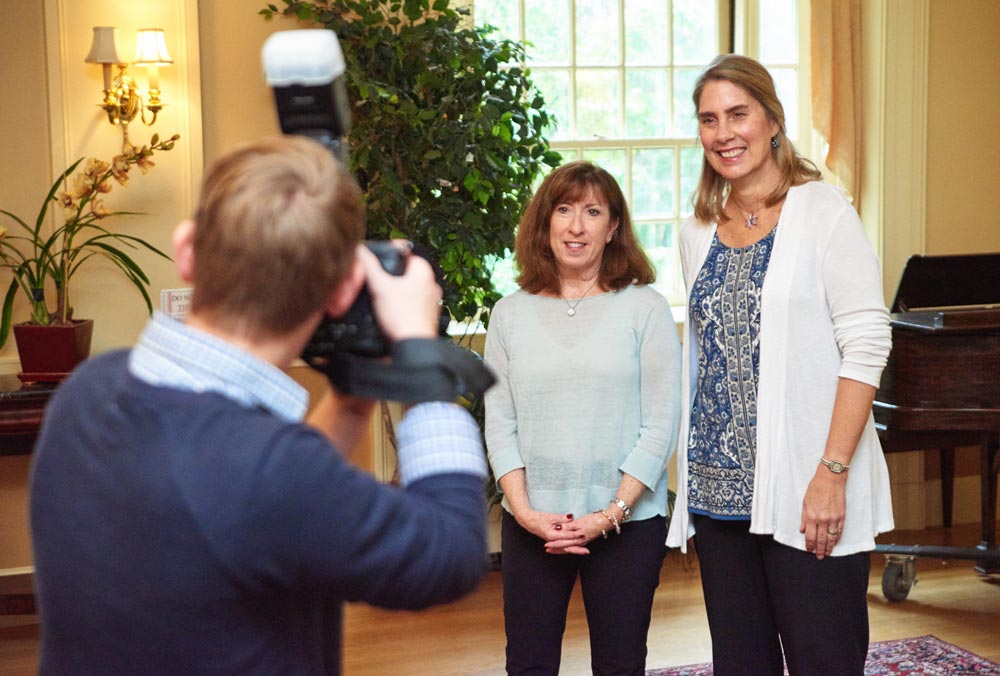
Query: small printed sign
175	302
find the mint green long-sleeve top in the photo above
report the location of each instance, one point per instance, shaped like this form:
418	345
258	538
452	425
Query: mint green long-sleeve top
581	399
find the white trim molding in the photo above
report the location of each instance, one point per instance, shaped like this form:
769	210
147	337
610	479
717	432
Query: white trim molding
894	178
895	123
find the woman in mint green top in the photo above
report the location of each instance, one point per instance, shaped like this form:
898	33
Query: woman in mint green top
581	424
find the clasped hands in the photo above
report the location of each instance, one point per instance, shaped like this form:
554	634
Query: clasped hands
564	534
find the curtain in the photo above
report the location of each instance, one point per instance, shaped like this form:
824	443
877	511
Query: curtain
835	39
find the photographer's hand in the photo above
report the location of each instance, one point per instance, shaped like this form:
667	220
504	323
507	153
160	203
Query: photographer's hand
406	306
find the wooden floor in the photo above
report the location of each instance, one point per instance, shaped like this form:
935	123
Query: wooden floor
466	638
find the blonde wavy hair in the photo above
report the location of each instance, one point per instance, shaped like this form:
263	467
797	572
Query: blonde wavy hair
753	78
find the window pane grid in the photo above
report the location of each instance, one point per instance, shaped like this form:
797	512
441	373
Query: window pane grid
626	110
617	76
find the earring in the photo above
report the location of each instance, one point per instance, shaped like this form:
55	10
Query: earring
774	142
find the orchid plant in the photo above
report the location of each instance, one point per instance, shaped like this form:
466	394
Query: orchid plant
40	253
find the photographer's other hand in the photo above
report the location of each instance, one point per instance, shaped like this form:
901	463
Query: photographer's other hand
408	305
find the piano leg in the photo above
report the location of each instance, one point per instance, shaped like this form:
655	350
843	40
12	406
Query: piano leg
947	485
989	465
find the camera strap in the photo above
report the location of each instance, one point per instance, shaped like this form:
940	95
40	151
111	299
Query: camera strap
420	369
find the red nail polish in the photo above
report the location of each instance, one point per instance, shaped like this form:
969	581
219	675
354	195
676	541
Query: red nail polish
558	526
569	516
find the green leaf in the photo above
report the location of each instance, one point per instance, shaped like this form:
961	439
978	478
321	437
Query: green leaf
456	92
8	309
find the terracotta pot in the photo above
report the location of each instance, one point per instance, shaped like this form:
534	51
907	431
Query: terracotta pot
49	353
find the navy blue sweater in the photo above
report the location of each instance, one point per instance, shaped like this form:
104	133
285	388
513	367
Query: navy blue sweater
179	533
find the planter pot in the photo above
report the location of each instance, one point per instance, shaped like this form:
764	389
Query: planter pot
49	353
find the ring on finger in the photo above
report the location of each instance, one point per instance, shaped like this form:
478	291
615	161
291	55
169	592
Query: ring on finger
834	533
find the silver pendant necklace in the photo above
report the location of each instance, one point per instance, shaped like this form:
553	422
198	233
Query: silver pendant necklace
750	215
572	306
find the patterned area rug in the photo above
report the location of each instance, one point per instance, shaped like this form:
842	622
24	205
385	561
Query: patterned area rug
921	656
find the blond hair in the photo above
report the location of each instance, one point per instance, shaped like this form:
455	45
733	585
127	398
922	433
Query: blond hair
276	227
754	79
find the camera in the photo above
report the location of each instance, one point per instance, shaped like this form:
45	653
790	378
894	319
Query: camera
305	69
356	332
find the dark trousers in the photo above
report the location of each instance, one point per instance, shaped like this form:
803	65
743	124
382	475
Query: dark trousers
618	579
762	597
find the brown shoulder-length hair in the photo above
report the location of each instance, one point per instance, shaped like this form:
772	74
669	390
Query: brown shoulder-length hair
624	260
753	78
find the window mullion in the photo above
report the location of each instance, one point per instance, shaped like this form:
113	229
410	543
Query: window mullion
572	69
623	95
640	164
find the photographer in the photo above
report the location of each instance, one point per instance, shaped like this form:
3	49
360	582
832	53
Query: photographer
184	519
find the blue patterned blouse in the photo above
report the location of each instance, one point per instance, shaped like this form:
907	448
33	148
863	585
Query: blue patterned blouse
725	311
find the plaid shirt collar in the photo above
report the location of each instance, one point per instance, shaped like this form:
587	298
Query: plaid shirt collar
172	354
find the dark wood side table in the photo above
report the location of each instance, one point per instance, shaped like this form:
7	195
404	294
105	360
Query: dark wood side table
21	407
17	594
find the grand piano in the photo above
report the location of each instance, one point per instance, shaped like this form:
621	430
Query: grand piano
941	389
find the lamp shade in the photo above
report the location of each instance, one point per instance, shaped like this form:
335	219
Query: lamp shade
151	48
105	48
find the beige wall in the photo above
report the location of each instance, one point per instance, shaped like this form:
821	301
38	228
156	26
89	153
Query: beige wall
963	97
218	100
238	106
48	119
59	122
24	138
24	147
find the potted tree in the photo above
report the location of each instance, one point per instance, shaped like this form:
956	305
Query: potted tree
448	137
51	342
448	133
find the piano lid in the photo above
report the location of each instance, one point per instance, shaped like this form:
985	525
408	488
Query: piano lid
949	282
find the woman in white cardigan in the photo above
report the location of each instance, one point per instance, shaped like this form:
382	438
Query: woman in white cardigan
782	481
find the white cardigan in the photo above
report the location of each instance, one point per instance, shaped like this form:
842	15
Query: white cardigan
823	317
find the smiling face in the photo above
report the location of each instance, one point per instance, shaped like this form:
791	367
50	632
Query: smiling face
736	134
578	233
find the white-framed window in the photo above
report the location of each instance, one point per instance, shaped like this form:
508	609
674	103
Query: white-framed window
618	74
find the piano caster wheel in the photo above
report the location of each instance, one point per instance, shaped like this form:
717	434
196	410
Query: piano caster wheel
899	577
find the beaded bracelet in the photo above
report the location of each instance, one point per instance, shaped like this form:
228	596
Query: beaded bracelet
612	519
601	511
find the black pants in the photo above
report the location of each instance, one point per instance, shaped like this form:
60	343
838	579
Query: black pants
763	597
618	579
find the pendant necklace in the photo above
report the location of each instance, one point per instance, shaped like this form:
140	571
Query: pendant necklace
572	306
751	216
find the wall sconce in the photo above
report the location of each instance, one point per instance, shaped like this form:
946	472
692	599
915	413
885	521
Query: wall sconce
122	100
